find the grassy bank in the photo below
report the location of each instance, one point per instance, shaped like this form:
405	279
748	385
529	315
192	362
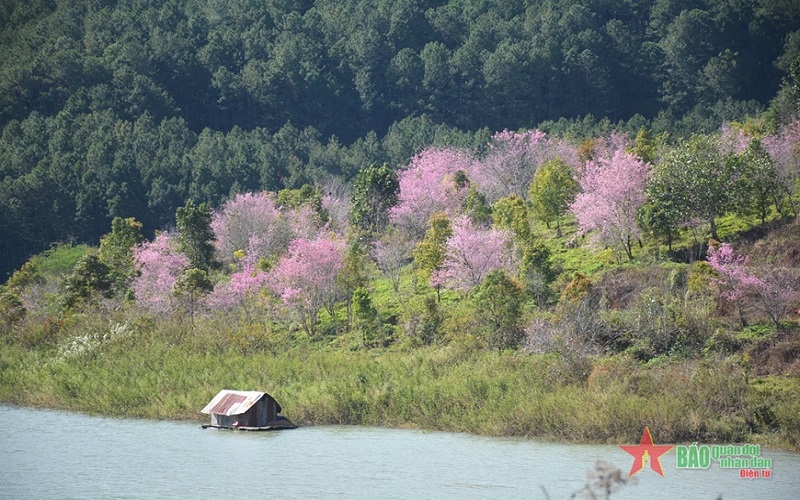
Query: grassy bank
652	348
164	371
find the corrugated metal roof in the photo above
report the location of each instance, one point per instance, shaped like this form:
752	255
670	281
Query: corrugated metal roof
229	402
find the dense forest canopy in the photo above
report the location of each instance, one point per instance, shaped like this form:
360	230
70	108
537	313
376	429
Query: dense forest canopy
470	64
130	108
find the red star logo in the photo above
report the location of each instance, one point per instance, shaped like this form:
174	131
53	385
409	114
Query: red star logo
646	451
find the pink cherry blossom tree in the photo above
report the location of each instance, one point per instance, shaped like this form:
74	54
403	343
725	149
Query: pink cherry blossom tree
784	149
303	222
159	265
392	252
512	159
336	202
732	139
771	289
306	278
428	185
257	217
734	276
510	163
471	254
613	190
244	285
246	216
777	291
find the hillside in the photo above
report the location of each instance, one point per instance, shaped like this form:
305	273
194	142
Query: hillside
130	108
177	214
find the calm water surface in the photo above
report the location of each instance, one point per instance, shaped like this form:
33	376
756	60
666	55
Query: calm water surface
50	454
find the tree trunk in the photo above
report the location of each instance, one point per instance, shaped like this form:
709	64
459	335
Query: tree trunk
628	248
714	234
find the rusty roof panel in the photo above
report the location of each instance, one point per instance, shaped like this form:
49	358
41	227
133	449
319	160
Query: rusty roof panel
232	402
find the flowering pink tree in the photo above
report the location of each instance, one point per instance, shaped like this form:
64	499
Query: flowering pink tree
772	289
784	149
336	202
428	185
734	277
302	222
244	285
510	163
732	139
159	265
777	291
305	278
565	151
391	253
257	217
613	190
471	254
247	216
512	160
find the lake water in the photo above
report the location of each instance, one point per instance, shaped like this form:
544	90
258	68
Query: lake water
51	454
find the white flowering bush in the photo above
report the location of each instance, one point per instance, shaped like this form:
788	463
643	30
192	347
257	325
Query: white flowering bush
90	343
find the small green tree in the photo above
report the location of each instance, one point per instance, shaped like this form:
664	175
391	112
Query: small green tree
423	318
645	145
660	220
116	249
190	287
88	278
196	237
552	191
352	276
26	275
478	208
306	195
429	254
512	213
375	191
365	317
697	181
761	187
12	310
577	289
536	269
499	300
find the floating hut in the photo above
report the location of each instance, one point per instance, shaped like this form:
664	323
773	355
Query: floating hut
245	410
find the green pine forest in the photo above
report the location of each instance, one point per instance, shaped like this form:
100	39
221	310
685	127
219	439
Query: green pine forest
124	120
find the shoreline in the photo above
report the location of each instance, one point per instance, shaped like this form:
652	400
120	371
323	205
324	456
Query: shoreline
491	394
539	439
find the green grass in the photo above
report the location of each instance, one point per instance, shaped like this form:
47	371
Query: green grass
775	404
575	259
60	259
163	370
122	363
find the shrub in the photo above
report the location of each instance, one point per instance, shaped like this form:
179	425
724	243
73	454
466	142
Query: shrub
88	278
422	320
777	354
499	302
549	336
662	324
11	309
577	289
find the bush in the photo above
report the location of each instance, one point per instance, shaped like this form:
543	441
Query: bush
12	311
551	336
775	407
777	354
422	319
499	302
